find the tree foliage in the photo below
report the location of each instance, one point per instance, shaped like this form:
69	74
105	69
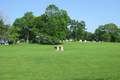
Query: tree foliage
25	24
106	37
110	29
55	25
78	29
4	27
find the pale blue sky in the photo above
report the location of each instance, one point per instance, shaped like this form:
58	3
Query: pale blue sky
93	12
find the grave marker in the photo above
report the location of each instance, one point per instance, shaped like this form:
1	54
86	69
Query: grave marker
59	48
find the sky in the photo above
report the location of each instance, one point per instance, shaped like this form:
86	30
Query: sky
93	12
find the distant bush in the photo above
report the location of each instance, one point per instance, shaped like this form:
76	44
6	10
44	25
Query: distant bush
34	41
22	40
11	42
1	43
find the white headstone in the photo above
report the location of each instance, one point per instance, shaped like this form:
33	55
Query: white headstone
80	40
6	43
66	40
71	39
93	41
17	42
85	41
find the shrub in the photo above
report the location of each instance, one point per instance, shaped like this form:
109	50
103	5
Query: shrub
11	42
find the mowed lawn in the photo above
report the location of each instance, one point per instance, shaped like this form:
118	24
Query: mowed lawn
78	61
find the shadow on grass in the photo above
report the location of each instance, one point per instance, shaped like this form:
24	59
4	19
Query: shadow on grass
89	79
47	43
81	79
118	78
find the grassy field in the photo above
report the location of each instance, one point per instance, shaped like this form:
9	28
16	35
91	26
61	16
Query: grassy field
78	61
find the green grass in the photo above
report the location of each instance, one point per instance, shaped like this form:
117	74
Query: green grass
78	61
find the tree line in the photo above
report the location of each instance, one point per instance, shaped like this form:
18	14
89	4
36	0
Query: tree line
55	25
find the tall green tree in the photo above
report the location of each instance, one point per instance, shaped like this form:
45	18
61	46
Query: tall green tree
78	29
54	23
4	30
25	23
4	26
28	23
111	29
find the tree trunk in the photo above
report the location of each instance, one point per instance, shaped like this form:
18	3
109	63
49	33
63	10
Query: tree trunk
53	42
27	37
4	41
